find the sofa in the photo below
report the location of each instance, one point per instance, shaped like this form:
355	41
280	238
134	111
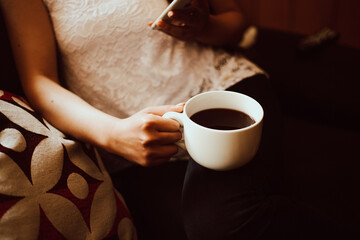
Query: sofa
318	93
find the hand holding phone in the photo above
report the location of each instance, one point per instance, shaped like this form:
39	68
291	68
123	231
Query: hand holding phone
176	4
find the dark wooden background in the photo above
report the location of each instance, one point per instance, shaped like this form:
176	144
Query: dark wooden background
307	16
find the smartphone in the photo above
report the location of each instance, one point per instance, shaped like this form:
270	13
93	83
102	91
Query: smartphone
176	4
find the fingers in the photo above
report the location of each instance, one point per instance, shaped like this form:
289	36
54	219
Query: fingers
185	16
180	32
188	23
152	137
185	24
192	15
165	138
160	148
166	125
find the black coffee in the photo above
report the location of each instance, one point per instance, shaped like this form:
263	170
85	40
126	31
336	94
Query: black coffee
222	119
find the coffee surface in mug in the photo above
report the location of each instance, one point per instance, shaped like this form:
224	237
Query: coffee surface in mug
222	119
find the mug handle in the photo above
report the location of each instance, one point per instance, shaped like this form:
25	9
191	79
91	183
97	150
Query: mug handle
179	118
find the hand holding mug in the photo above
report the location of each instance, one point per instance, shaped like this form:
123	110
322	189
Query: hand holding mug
145	138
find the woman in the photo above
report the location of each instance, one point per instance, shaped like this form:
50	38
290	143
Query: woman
118	77
84	33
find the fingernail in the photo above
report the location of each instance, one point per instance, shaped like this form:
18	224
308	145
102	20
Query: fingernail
170	14
160	23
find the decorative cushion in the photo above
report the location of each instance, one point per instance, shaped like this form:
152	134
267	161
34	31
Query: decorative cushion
51	186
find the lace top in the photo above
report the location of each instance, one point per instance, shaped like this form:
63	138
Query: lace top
114	61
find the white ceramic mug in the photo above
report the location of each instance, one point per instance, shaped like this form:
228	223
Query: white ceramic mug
220	149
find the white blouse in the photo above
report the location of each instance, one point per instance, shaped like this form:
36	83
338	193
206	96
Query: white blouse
117	63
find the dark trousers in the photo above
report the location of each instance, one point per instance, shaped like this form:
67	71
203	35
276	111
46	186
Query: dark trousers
251	202
175	201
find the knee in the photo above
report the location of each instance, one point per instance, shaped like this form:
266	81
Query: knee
221	205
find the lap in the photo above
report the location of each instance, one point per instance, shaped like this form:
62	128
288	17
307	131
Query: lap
249	203
234	205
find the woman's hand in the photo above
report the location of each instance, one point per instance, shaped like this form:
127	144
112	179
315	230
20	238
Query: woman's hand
211	22
188	23
146	137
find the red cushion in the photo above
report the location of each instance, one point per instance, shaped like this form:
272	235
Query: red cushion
52	186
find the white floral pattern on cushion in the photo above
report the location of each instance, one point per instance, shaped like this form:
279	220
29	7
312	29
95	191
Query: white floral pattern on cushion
52	186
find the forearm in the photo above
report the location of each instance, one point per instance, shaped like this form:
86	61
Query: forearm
223	29
145	138
68	112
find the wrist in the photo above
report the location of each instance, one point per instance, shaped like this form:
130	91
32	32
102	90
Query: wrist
103	133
